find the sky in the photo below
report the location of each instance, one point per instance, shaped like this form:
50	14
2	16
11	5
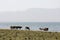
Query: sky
29	11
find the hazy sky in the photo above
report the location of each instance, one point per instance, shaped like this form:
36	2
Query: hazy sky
9	10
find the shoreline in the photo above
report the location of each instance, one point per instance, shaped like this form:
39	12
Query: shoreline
30	30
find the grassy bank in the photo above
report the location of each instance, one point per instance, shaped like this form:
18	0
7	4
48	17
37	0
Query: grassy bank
6	34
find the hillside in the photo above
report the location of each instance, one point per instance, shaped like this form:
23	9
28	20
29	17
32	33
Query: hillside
6	34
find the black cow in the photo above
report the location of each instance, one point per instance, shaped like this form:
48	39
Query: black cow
27	28
16	27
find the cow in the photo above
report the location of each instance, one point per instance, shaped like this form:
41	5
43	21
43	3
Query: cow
27	28
12	27
44	29
15	27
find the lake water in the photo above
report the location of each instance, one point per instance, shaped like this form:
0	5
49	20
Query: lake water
53	26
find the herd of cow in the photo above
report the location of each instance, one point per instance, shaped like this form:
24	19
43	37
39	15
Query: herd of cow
19	27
